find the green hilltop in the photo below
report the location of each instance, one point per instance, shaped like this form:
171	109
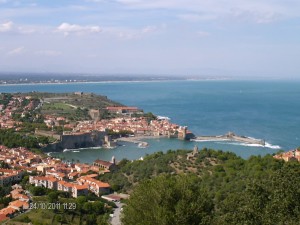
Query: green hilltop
213	187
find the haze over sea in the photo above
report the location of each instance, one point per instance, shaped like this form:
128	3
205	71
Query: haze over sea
261	109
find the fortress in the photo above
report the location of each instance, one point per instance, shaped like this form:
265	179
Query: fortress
77	140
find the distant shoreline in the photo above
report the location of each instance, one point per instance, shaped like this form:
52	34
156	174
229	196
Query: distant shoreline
85	82
120	81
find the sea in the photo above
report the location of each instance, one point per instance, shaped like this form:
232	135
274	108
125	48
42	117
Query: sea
261	109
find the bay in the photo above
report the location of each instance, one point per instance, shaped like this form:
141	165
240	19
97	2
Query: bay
261	109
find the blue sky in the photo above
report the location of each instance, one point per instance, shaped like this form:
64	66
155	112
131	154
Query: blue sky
175	37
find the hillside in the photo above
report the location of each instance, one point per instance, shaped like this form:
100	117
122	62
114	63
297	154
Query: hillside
173	162
73	105
214	187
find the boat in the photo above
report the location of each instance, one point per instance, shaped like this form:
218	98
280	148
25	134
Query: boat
143	145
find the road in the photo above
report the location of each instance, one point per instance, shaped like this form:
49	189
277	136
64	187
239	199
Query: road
116	216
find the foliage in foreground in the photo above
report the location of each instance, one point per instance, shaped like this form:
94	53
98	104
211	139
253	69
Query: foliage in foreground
83	210
169	200
260	190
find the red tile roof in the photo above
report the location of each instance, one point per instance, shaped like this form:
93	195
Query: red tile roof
3	217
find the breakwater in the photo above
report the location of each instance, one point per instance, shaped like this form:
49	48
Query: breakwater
230	136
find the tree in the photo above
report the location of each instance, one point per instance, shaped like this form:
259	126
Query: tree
98	207
80	202
53	196
38	191
91	219
88	207
167	200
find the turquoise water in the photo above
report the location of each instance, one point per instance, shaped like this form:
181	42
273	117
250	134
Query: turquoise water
261	109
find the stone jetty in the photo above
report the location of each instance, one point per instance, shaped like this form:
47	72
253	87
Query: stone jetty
230	136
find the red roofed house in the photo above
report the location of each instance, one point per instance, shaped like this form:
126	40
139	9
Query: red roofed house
19	205
79	190
8	212
47	182
64	186
95	186
105	164
3	218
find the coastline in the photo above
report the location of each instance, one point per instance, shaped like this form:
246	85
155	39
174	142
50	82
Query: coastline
117	81
92	82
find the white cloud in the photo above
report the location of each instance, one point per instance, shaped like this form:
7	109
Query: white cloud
67	29
17	51
131	34
10	27
48	53
149	29
193	17
6	27
259	11
203	34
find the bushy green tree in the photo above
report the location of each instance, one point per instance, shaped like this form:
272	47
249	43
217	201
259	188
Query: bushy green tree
168	200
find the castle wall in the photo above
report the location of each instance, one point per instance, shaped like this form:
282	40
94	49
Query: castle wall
74	141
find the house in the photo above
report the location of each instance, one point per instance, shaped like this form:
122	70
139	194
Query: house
95	186
9	176
3	218
58	175
82	167
19	205
293	155
105	164
17	194
47	182
38	181
64	186
99	187
73	175
42	167
8	212
21	197
79	190
52	183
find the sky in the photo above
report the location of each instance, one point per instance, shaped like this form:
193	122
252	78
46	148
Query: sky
164	37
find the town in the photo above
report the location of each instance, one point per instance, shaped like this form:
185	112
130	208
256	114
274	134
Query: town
24	115
75	178
17	111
